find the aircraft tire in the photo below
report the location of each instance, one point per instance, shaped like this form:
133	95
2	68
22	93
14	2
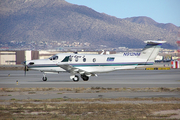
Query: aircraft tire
84	77
76	78
44	78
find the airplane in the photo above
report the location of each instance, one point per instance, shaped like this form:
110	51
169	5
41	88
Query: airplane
88	65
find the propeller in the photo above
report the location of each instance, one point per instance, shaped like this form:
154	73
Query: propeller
25	67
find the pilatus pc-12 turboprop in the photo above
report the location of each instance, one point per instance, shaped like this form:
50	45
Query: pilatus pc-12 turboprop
89	65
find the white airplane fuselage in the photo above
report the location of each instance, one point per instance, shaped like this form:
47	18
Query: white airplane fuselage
88	65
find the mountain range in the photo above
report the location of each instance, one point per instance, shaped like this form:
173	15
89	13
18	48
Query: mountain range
58	20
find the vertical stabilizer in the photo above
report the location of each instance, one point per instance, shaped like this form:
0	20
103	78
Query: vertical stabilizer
151	50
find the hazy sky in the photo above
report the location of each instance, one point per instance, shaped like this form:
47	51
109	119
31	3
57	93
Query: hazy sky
162	11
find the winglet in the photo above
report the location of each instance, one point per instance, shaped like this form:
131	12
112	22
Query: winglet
102	52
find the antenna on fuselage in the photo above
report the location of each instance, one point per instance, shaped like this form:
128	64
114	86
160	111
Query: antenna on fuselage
102	52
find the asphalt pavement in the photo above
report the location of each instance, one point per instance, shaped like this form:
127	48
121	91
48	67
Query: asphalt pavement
116	79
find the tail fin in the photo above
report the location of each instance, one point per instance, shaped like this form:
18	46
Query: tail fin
151	50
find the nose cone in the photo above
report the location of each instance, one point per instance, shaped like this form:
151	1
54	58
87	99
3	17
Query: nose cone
27	63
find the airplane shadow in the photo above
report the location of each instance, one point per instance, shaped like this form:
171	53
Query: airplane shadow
48	81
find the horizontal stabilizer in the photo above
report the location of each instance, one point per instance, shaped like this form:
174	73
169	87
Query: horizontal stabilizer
154	42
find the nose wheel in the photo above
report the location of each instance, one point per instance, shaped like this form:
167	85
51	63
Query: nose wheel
44	77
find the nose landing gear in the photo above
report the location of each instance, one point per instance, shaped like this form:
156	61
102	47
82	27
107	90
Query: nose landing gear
44	77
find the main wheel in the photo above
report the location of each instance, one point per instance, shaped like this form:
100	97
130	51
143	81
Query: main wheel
44	78
76	78
84	77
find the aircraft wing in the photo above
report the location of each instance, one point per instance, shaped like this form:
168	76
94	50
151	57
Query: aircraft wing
73	70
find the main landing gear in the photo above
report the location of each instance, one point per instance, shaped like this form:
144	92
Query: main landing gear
84	77
76	78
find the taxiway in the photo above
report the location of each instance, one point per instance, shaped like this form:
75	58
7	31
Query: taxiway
122	78
117	79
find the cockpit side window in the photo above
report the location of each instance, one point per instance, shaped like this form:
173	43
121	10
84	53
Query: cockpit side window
54	58
50	58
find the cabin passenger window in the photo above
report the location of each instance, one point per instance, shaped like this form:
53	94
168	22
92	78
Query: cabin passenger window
76	59
70	58
94	59
84	59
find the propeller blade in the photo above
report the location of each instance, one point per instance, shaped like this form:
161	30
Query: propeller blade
25	69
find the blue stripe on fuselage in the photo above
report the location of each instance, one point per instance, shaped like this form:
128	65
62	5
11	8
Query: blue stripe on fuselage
91	64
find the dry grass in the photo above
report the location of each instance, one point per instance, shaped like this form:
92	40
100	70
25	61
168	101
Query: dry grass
92	89
87	109
107	100
80	111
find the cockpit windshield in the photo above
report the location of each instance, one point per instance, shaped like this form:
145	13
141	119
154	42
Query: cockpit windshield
54	58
